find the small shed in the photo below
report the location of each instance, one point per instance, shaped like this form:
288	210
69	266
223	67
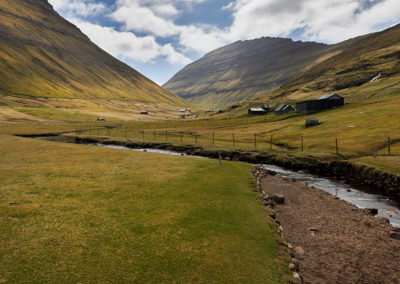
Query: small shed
100	119
283	109
256	111
145	112
329	101
182	110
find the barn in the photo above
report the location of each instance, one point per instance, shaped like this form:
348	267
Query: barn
325	102
283	109
256	111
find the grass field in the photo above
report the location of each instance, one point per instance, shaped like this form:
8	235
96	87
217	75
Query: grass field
82	214
361	129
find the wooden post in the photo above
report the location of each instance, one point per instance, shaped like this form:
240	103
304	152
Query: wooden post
337	147
388	145
155	134
270	144
195	135
302	144
126	130
213	138
166	135
108	131
98	131
233	139
255	142
143	134
181	137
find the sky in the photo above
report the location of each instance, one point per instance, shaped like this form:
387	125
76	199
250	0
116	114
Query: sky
160	37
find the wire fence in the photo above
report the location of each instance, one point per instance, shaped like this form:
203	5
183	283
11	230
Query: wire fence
261	142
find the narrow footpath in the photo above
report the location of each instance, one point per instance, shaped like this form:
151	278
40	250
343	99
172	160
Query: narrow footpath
331	241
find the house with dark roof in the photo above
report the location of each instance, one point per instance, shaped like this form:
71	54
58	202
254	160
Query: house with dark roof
283	109
325	102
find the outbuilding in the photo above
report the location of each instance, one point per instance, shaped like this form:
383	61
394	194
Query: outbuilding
145	112
283	109
256	111
323	103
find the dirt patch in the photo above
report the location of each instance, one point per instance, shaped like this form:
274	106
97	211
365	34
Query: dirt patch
333	241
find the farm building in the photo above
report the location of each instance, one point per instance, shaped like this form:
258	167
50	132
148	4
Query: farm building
256	111
265	107
182	110
325	102
144	112
283	109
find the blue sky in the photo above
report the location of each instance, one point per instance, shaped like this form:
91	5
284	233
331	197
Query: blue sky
159	37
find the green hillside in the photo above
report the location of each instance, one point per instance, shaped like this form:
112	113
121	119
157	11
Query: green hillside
245	69
350	72
43	55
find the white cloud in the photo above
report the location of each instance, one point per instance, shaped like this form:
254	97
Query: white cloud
127	45
327	21
81	8
143	19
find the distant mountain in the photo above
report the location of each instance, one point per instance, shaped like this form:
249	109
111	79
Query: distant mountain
43	55
245	69
363	58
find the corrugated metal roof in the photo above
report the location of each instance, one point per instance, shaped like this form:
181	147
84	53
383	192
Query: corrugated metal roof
280	107
258	110
327	96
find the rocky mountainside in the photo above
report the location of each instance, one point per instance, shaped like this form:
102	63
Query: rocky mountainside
43	55
245	69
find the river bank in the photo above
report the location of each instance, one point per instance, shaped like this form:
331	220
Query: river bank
332	241
373	179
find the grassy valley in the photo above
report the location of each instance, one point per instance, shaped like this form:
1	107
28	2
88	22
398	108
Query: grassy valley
108	215
50	69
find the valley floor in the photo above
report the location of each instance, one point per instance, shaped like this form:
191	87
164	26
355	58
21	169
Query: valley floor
73	213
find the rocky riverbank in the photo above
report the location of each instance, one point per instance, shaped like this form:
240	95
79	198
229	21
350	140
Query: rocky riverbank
330	240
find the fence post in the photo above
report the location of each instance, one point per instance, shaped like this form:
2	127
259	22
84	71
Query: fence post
181	137
126	130
98	131
270	144
195	135
302	143
108	131
388	145
337	147
233	139
143	134
155	134
213	138
166	135
255	142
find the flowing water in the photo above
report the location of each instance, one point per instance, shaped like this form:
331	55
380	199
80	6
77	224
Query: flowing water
386	207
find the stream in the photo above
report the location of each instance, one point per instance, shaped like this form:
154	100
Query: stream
386	207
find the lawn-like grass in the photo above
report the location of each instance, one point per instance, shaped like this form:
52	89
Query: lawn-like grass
73	213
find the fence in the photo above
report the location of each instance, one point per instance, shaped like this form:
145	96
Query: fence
347	146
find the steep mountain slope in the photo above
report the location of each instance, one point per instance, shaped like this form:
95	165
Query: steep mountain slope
43	55
245	69
351	71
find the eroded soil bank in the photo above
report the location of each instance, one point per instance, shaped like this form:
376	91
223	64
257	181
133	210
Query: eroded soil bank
331	240
378	181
